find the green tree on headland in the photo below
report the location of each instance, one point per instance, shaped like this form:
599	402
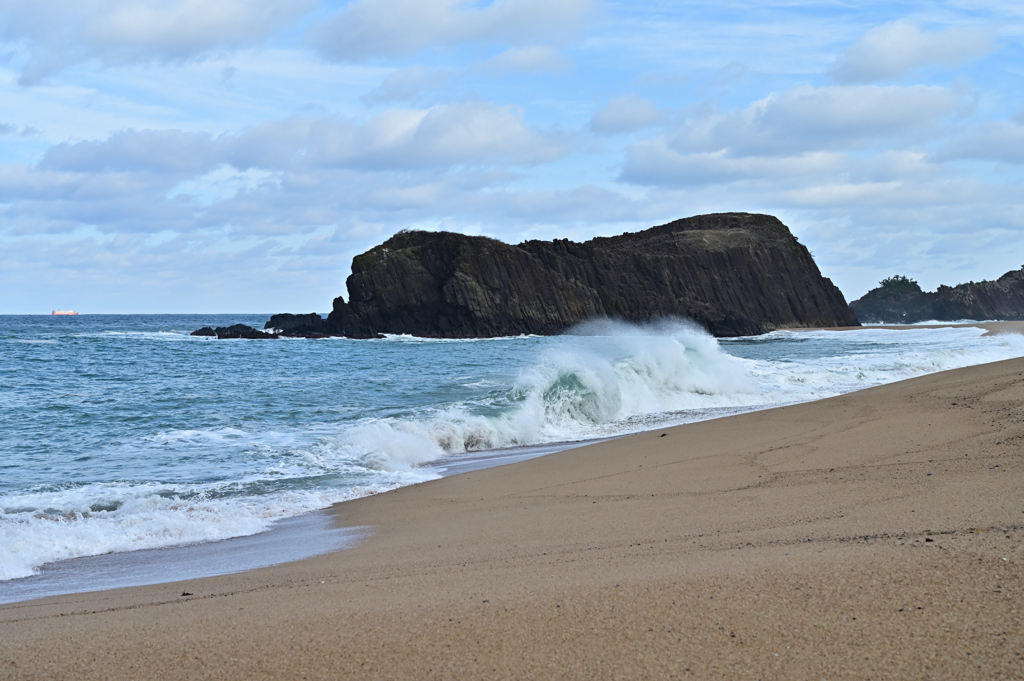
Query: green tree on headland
898	285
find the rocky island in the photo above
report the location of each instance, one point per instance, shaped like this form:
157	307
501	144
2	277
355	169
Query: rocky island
733	273
900	300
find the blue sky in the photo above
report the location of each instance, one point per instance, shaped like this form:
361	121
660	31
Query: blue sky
233	155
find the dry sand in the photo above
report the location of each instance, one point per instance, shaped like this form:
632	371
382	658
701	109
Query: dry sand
873	535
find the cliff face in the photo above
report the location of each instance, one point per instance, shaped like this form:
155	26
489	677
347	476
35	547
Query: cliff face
733	273
1001	299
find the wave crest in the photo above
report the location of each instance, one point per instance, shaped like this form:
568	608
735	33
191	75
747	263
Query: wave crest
600	374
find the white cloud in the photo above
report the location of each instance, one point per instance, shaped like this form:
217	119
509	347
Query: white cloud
382	28
532	58
829	141
808	118
405	84
829	194
895	49
163	151
469	133
562	209
626	114
19	182
56	34
272	145
1001	141
40	200
472	133
654	162
221	184
280	177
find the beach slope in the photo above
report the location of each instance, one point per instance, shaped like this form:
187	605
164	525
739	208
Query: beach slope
873	535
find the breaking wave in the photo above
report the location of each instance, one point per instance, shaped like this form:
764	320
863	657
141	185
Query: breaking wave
609	378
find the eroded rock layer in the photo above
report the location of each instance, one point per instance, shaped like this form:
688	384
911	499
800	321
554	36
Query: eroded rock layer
733	273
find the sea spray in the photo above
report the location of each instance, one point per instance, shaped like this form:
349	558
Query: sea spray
585	385
600	377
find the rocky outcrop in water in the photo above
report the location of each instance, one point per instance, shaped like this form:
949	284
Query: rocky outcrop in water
299	325
733	273
233	331
1002	299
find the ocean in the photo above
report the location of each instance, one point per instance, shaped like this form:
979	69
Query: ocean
124	435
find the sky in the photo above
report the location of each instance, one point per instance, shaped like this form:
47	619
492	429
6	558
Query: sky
171	156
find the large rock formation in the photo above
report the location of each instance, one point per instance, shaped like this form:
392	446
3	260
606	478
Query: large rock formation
733	273
899	300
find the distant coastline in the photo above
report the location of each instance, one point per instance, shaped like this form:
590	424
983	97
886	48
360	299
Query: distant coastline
900	300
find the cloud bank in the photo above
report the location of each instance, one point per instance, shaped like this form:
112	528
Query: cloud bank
57	34
894	50
390	28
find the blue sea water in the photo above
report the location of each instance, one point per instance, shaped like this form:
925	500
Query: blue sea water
123	433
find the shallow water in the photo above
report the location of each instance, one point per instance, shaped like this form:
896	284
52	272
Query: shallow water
287	539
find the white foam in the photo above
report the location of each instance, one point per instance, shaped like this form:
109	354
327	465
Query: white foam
614	378
934	322
408	338
46	525
881	356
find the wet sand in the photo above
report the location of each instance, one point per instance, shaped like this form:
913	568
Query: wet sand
991	328
873	535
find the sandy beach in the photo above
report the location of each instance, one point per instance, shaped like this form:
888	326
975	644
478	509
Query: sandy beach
873	535
991	328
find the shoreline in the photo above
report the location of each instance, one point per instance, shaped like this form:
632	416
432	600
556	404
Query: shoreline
880	532
991	328
288	539
303	536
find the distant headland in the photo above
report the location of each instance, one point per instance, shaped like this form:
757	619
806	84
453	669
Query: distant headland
900	300
735	274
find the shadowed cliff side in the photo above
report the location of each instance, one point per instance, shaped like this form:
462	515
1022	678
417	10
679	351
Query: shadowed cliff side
1001	300
733	273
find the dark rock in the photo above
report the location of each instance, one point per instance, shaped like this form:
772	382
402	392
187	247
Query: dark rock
299	325
242	331
1002	299
734	273
234	331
